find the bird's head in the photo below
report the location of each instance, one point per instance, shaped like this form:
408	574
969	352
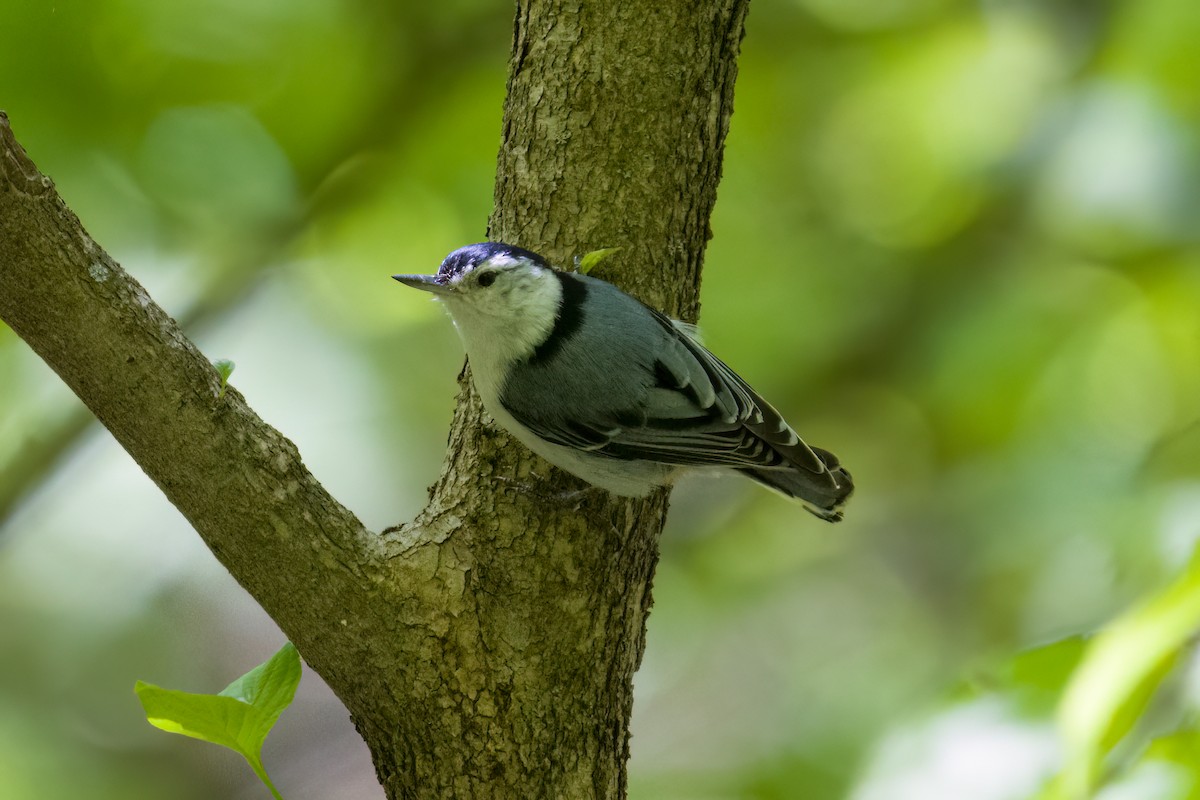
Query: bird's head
495	290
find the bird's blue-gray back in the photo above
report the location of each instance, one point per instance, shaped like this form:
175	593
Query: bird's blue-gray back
606	381
661	397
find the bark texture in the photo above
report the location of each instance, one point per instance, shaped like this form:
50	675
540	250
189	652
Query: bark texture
486	649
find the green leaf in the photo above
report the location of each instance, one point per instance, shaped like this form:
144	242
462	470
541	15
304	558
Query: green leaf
271	685
1120	671
590	260
239	717
1034	678
224	368
1181	747
1050	666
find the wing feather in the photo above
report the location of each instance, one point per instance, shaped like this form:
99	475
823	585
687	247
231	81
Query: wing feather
694	411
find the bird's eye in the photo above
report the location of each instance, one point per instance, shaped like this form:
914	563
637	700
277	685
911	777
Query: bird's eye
487	278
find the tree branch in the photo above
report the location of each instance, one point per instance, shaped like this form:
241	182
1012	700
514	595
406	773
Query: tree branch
229	280
237	480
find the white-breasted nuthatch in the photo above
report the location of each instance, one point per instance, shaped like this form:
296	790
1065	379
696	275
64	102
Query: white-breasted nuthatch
609	389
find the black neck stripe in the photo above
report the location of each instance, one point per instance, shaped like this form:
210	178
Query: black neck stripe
566	321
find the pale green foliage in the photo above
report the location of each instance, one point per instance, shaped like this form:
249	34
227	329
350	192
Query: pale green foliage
224	368
586	263
238	717
1121	671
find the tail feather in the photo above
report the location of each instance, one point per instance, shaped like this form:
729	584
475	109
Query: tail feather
822	494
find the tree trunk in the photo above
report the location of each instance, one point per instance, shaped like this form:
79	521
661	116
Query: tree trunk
486	649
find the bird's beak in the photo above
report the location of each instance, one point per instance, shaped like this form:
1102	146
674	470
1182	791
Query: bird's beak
426	283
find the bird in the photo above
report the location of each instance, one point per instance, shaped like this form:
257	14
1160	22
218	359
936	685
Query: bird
611	390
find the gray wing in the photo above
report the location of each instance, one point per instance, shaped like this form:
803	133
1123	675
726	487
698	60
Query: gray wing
688	409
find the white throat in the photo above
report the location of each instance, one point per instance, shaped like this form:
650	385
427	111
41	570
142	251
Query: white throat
497	331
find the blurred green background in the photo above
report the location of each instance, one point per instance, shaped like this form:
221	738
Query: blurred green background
956	243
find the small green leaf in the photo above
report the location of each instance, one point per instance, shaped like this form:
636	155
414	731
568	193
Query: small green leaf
224	369
590	260
1181	747
271	685
240	717
1049	667
1033	679
1121	669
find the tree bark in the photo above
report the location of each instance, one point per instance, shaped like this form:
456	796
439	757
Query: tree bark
486	649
